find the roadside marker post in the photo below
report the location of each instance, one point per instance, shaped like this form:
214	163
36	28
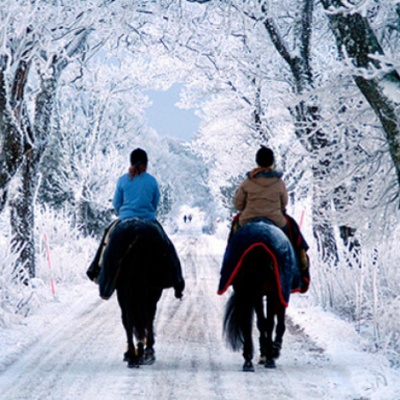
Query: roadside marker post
45	239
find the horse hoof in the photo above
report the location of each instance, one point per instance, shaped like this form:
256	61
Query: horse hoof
133	364
248	366
140	349
270	363
149	357
276	349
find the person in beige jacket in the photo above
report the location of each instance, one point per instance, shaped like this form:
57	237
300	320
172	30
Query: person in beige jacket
264	194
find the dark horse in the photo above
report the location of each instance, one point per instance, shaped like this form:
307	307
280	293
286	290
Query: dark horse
139	262
259	263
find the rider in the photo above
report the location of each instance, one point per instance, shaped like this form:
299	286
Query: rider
137	193
264	194
136	196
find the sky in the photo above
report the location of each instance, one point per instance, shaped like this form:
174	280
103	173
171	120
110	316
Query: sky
169	120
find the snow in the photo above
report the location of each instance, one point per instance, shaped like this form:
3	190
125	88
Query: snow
71	347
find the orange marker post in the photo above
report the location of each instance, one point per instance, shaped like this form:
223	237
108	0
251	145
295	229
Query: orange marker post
53	289
301	219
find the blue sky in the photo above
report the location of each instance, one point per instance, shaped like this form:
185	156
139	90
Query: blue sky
166	118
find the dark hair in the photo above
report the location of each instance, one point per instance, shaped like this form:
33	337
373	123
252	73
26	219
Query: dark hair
265	157
138	157
138	162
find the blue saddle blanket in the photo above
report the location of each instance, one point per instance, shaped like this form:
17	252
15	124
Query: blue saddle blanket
262	232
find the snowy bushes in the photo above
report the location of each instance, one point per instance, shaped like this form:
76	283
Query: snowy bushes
13	296
366	292
70	253
62	256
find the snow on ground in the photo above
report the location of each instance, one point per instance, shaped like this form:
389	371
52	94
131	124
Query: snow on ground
72	348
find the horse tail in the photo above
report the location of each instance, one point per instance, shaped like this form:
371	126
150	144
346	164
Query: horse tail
238	319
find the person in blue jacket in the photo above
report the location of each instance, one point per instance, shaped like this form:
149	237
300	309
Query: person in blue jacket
137	193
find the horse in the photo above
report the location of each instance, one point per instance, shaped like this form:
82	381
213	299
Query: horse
255	281
259	263
139	262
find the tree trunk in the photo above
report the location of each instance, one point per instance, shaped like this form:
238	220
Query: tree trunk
354	33
312	137
22	209
23	219
12	143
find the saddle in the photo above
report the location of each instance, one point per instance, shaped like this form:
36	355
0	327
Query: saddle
143	245
300	246
261	232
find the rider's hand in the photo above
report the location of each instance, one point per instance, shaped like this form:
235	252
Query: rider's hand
305	284
178	294
179	288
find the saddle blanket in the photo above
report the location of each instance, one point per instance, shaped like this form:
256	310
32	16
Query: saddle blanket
138	241
264	233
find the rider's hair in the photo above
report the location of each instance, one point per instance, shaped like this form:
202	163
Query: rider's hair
138	160
265	157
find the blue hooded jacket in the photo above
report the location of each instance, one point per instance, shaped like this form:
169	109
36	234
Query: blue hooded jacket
138	197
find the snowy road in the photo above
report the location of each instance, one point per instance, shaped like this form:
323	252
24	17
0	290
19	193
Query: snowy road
79	355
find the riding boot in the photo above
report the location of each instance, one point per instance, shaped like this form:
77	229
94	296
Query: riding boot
304	264
303	260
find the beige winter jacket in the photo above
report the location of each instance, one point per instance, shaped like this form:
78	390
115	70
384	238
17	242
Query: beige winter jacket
262	196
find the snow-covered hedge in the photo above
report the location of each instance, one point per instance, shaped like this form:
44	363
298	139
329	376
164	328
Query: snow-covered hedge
62	258
365	291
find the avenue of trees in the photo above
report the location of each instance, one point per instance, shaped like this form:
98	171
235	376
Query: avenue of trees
317	81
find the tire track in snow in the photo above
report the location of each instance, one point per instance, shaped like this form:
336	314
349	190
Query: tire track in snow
80	356
187	331
57	359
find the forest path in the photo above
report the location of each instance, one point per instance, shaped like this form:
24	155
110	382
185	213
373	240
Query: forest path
80	355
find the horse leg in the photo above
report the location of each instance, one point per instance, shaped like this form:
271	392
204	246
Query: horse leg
279	332
248	349
140	335
270	323
149	353
130	354
259	308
